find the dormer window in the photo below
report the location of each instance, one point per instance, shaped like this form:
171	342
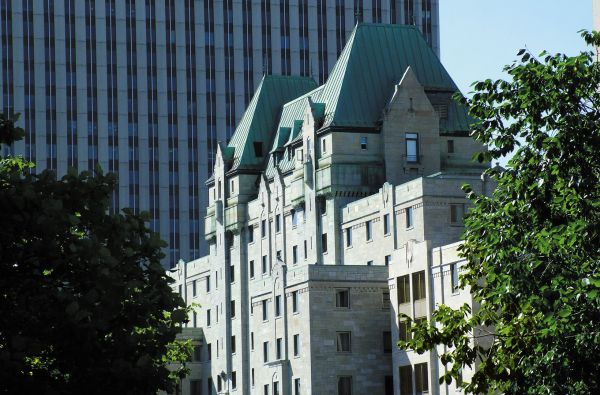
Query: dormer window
258	149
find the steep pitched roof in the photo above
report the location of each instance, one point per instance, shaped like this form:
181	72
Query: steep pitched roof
372	62
259	119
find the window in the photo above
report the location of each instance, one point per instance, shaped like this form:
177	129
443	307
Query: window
450	145
216	279
208	352
323	206
278	255
231	187
369	232
388	260
264	264
194	293
232	273
295	254
385	300
196	387
294	217
295	302
233	380
296	345
252	341
181	290
258	149
421	381
454	277
389	385
265	352
369	263
363	143
305	250
207	284
342	298
296	386
276	388
277	305
278	223
409	217
263	228
232	304
406	387
251	269
412	147
265	310
345	385
210	386
252	376
418	280
457	214
404	333
343	342
279	348
197	357
195	319
266	389
324	242
323	145
233	344
387	342
348	237
219	383
386	224
250	234
403	287
208	317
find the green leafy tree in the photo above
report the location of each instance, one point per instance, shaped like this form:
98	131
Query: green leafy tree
533	247
85	306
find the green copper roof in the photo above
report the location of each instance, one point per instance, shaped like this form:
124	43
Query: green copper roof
373	60
259	119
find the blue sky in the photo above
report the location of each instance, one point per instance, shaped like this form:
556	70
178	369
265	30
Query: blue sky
478	37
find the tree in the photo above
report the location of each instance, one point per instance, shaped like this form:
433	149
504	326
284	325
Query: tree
85	306
533	247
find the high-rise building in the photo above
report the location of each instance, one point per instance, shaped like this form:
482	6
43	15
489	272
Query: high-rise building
146	88
328	220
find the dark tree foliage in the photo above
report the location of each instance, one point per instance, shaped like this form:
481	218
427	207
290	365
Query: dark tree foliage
533	248
85	306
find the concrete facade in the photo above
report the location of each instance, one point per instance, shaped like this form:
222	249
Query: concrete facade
297	293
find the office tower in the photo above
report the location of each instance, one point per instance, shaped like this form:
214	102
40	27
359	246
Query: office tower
314	216
146	88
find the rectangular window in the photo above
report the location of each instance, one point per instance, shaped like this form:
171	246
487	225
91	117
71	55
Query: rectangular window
409	217
363	143
232	304
369	263
251	269
181	290
457	214
233	380
295	254
412	147
276	388
208	317
403	287
278	255
266	389
232	273
454	277
348	237
406	387
231	187
385	300
233	344
388	260
195	320
258	149
265	352
387	342
324	242
295	302
305	250
323	206
264	264
386	224
421	381
252	341
196	387
450	144
294	218
265	309
252	376
418	280
279	347
278	223
296	386
296	345
210	386
342	298
369	230
277	305
219	383
207	284
194	292
250	234
404	330
343	342
208	352
197	357
345	385
263	228
323	146
389	385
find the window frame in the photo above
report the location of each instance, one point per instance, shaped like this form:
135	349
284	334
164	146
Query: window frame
339	300
340	344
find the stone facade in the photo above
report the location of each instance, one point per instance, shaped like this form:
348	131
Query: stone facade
297	292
